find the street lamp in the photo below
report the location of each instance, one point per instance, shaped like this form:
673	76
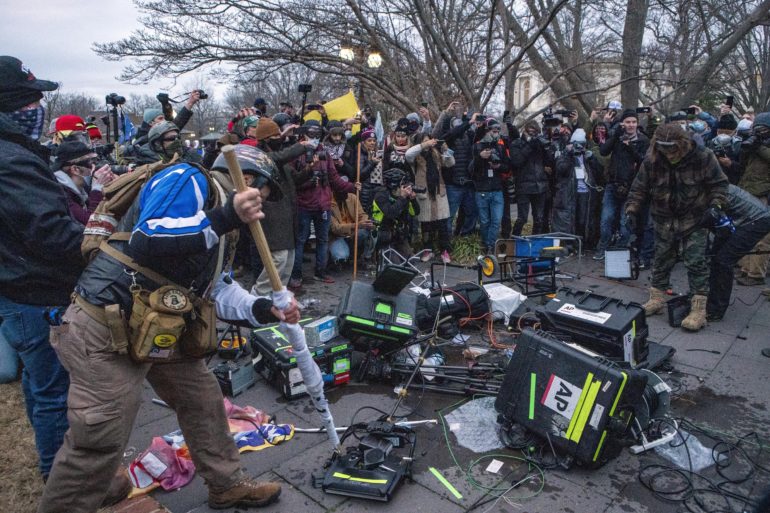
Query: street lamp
351	52
374	60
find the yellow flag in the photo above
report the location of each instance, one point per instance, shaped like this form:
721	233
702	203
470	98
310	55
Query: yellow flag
314	115
342	108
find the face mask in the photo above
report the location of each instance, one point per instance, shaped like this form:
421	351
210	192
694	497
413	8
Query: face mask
30	121
172	148
698	126
488	138
274	144
348	134
578	148
723	139
314	142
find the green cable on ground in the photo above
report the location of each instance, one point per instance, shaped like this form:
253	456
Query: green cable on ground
499	489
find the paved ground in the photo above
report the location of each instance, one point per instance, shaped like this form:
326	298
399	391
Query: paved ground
719	376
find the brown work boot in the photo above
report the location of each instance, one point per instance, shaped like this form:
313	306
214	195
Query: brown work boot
120	487
245	493
697	318
656	303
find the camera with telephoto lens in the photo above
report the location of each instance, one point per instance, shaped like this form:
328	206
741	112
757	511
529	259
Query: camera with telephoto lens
550	119
563	112
114	99
719	151
163	98
202	94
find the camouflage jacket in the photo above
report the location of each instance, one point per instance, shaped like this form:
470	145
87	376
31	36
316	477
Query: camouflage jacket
679	194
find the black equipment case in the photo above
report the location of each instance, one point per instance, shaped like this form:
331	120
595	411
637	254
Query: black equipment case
364	311
462	300
582	404
275	361
611	327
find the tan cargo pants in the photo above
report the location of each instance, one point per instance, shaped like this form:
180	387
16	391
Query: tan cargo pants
104	396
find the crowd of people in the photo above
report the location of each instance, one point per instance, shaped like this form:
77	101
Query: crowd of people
693	185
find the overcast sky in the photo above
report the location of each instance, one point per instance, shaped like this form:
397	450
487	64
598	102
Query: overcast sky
53	39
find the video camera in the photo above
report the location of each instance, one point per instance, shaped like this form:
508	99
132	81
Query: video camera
114	99
551	119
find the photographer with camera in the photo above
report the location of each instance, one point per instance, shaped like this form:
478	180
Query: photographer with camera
530	154
578	179
726	147
459	132
681	182
394	208
626	146
755	159
429	157
314	198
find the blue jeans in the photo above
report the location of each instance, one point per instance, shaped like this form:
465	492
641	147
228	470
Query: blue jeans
9	361
612	215
462	197
340	247
490	208
321	221
44	380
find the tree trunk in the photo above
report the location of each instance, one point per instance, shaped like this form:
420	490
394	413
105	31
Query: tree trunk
633	35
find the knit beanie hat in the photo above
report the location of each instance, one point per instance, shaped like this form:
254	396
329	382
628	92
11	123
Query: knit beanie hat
533	124
72	151
727	122
267	128
762	119
628	113
150	114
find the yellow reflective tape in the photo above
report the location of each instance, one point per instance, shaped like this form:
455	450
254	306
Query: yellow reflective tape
599	447
585	411
360	479
620	392
582	397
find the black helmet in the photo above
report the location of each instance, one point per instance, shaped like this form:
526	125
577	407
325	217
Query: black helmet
393	177
253	162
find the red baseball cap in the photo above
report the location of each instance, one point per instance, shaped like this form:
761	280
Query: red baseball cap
70	122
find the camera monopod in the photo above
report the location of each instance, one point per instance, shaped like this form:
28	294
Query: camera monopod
311	375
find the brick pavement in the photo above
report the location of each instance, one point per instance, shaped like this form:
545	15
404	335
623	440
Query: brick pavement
720	379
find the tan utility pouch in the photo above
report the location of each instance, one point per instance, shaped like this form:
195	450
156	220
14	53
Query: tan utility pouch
201	338
157	324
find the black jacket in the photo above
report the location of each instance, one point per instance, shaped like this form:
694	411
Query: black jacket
40	257
565	194
528	159
486	179
280	216
624	158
